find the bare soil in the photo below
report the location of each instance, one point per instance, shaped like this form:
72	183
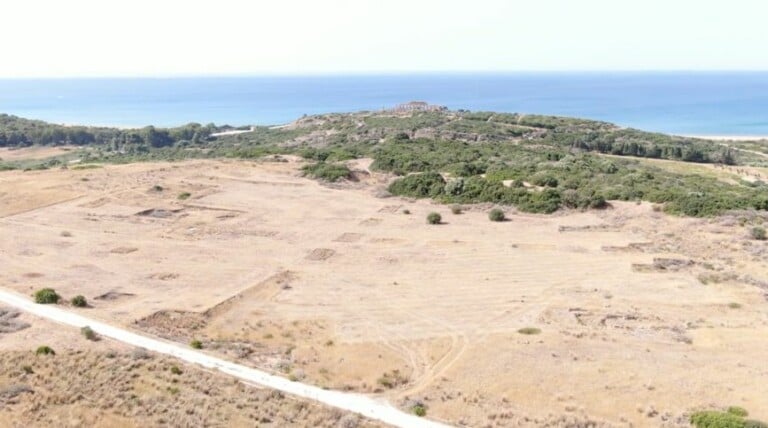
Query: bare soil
335	286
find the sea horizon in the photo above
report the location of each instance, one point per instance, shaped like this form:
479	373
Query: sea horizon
692	103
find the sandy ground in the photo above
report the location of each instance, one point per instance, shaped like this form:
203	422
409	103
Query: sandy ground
336	286
37	152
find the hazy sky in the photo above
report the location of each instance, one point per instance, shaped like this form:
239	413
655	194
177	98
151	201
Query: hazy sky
170	37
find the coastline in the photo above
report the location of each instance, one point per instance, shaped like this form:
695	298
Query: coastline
729	137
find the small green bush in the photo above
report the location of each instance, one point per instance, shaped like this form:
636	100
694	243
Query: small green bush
184	195
496	215
529	330
734	305
46	296
79	301
406	211
157	188
176	370
196	344
88	333
738	411
28	369
456	209
44	350
434	218
419	410
758	233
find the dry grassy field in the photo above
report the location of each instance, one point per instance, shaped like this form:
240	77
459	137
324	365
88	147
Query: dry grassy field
637	317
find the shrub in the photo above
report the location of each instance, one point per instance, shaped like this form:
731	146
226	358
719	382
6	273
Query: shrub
66	234
79	301
28	369
456	209
406	211
496	215
176	370
734	305
434	218
88	333
326	171
157	188
419	410
758	233
196	344
46	296
712	419
529	330
425	185
44	350
184	195
732	418
738	411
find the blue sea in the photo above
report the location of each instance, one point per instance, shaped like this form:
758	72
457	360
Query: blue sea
695	103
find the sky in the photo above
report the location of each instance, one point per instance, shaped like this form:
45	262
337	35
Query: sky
86	38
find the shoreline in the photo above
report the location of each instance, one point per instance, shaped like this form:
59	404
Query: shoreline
729	137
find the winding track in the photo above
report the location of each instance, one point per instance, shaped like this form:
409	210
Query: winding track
366	406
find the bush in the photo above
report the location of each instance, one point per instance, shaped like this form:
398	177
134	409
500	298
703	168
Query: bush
758	233
66	234
176	370
196	344
738	411
419	410
157	188
496	215
456	209
44	350
733	418
88	333
184	195
79	301
425	185
46	296
406	211
434	218
529	330
327	171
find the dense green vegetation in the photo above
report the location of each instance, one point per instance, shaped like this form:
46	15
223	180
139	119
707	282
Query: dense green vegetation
46	296
327	171
536	163
19	132
734	417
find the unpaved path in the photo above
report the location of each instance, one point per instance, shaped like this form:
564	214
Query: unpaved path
366	406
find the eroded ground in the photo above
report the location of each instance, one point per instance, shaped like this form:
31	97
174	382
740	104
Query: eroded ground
642	316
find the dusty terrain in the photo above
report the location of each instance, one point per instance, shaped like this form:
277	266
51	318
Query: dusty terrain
103	383
642	316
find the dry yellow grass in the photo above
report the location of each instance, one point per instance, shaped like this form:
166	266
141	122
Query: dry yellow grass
335	286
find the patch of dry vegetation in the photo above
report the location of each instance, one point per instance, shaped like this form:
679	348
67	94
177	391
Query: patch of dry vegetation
137	389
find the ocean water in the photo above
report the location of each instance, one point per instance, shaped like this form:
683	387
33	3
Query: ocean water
733	103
